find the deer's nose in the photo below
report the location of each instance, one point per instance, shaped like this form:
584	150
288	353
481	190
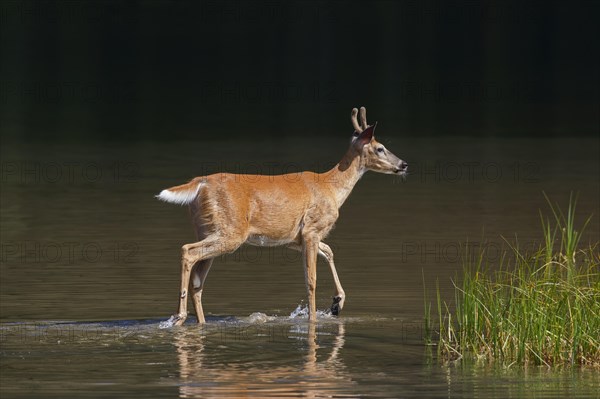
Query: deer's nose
403	166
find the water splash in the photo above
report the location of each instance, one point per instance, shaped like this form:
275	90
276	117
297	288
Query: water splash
301	312
259	317
167	323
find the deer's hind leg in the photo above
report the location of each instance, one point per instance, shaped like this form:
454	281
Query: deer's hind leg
198	277
192	254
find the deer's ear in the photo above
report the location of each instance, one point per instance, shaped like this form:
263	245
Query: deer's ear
366	136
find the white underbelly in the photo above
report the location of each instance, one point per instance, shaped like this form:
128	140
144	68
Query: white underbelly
264	241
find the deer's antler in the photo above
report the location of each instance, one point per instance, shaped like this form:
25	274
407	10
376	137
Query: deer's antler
359	128
355	121
363	118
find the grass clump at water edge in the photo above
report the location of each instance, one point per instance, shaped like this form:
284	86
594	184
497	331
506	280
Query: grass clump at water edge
540	308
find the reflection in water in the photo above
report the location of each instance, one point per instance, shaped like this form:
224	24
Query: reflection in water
232	358
307	377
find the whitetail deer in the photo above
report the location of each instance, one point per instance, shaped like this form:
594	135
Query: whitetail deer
296	210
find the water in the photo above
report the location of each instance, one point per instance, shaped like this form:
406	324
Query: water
90	268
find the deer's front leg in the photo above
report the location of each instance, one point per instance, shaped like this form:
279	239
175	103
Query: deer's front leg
340	295
310	251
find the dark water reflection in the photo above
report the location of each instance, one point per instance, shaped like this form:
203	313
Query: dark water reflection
352	357
83	240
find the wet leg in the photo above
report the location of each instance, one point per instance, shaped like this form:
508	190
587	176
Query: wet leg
340	296
199	273
191	254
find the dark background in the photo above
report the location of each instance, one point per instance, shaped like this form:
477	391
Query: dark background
163	70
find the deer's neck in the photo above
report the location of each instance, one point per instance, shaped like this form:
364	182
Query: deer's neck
345	175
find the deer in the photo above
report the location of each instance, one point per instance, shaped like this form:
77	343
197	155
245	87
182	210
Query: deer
297	210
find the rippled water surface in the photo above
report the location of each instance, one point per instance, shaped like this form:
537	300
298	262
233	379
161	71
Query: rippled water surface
90	268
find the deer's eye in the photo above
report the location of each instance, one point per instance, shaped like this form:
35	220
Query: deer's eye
380	150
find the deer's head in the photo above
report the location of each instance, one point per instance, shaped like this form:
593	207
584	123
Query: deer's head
374	155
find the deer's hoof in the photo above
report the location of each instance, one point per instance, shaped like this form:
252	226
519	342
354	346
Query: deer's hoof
178	319
335	307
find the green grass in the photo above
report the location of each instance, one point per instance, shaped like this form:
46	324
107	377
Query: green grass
540	308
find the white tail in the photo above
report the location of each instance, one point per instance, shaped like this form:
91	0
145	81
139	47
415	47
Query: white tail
183	194
297	210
